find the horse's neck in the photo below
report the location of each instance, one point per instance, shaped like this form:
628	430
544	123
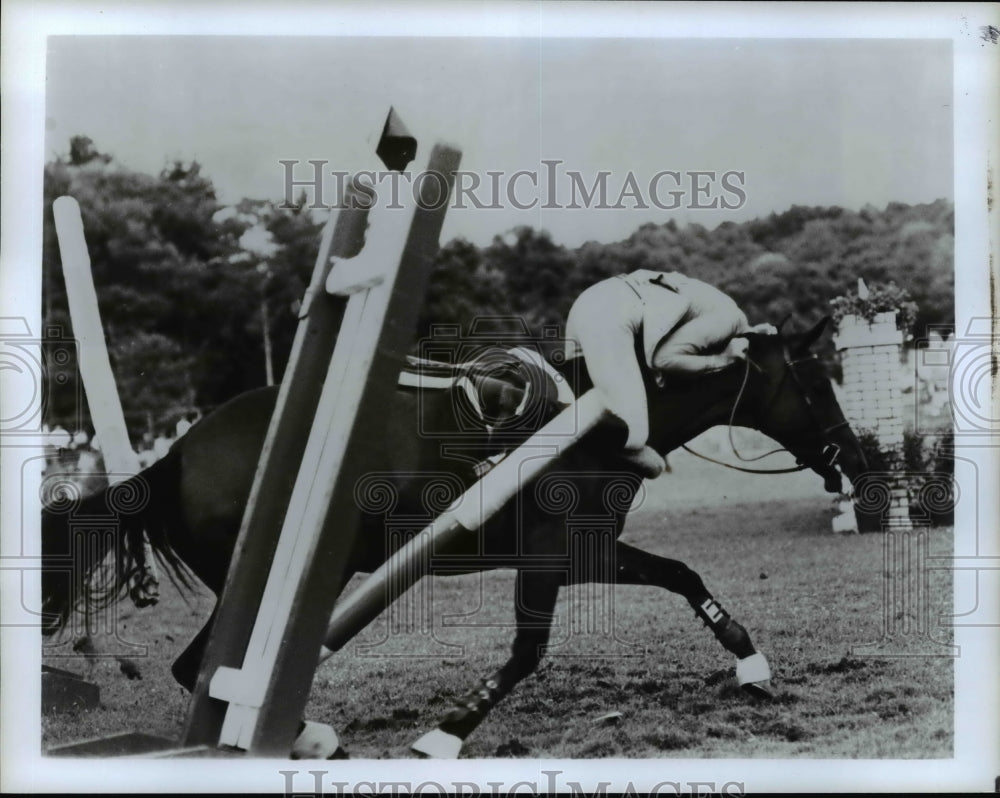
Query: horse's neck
684	410
681	411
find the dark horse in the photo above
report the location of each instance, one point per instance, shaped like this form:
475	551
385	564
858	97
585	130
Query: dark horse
190	503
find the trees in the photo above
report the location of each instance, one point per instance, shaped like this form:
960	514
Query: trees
155	252
184	303
188	298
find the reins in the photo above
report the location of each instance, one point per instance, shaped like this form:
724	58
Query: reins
801	467
732	442
833	449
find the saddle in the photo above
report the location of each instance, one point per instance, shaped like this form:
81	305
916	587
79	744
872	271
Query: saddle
504	391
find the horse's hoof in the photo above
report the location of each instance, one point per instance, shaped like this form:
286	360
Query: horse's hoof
760	690
752	669
316	741
754	676
437	744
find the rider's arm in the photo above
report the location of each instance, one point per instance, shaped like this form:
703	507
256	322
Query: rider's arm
694	348
677	361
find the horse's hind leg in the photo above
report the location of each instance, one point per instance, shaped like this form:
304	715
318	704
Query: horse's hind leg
636	567
536	600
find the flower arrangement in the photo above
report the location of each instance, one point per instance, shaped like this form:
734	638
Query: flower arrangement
868	302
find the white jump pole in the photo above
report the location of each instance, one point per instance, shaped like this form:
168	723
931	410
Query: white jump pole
467	514
377	284
368	280
120	460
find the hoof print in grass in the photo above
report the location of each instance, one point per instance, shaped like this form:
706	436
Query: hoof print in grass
513	747
720	676
129	668
85	645
792	732
845	665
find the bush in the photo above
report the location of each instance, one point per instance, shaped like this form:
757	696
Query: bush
930	471
914	455
882	298
943	457
877	457
937	504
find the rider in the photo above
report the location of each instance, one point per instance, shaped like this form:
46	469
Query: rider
680	326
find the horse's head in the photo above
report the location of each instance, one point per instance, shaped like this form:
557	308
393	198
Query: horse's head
791	399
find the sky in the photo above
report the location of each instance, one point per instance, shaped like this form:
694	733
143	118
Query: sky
812	122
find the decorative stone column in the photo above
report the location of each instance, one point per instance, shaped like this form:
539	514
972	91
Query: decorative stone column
872	402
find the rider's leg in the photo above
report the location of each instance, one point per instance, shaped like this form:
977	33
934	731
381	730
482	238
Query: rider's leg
604	321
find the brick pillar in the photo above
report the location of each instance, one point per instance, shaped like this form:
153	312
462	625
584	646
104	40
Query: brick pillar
872	399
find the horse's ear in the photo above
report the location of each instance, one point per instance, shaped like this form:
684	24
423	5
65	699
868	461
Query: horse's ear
810	337
784	321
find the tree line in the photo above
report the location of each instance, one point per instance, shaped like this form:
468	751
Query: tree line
189	289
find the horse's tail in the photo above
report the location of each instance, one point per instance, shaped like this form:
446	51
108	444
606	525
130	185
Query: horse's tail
78	533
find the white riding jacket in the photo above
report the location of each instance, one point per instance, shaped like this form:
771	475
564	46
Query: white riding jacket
684	323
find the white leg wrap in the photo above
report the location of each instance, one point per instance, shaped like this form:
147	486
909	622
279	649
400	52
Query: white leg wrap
438	745
752	669
317	741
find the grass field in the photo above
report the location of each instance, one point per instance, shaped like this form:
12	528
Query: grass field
809	597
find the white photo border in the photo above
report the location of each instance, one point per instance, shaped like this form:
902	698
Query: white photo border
976	65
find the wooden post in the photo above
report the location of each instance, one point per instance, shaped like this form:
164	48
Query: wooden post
255	698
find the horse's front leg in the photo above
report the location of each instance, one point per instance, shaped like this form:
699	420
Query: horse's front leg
636	567
536	593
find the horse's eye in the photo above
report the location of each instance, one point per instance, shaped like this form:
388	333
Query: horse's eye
822	387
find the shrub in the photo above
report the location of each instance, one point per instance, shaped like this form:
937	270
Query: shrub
930	470
879	458
914	455
941	466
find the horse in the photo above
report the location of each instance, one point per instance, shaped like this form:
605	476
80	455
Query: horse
189	504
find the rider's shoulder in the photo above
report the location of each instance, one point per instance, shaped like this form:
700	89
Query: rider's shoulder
646	279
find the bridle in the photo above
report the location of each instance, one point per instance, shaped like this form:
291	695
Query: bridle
831	451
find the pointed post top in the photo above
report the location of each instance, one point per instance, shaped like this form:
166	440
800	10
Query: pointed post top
396	148
863	292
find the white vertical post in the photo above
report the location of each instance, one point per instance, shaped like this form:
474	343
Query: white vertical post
368	280
120	460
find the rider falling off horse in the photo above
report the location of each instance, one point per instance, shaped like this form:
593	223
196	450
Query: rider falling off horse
676	327
679	326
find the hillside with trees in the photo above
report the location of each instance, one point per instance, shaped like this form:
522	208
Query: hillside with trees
189	290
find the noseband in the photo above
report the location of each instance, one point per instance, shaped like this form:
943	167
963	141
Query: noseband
830	452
